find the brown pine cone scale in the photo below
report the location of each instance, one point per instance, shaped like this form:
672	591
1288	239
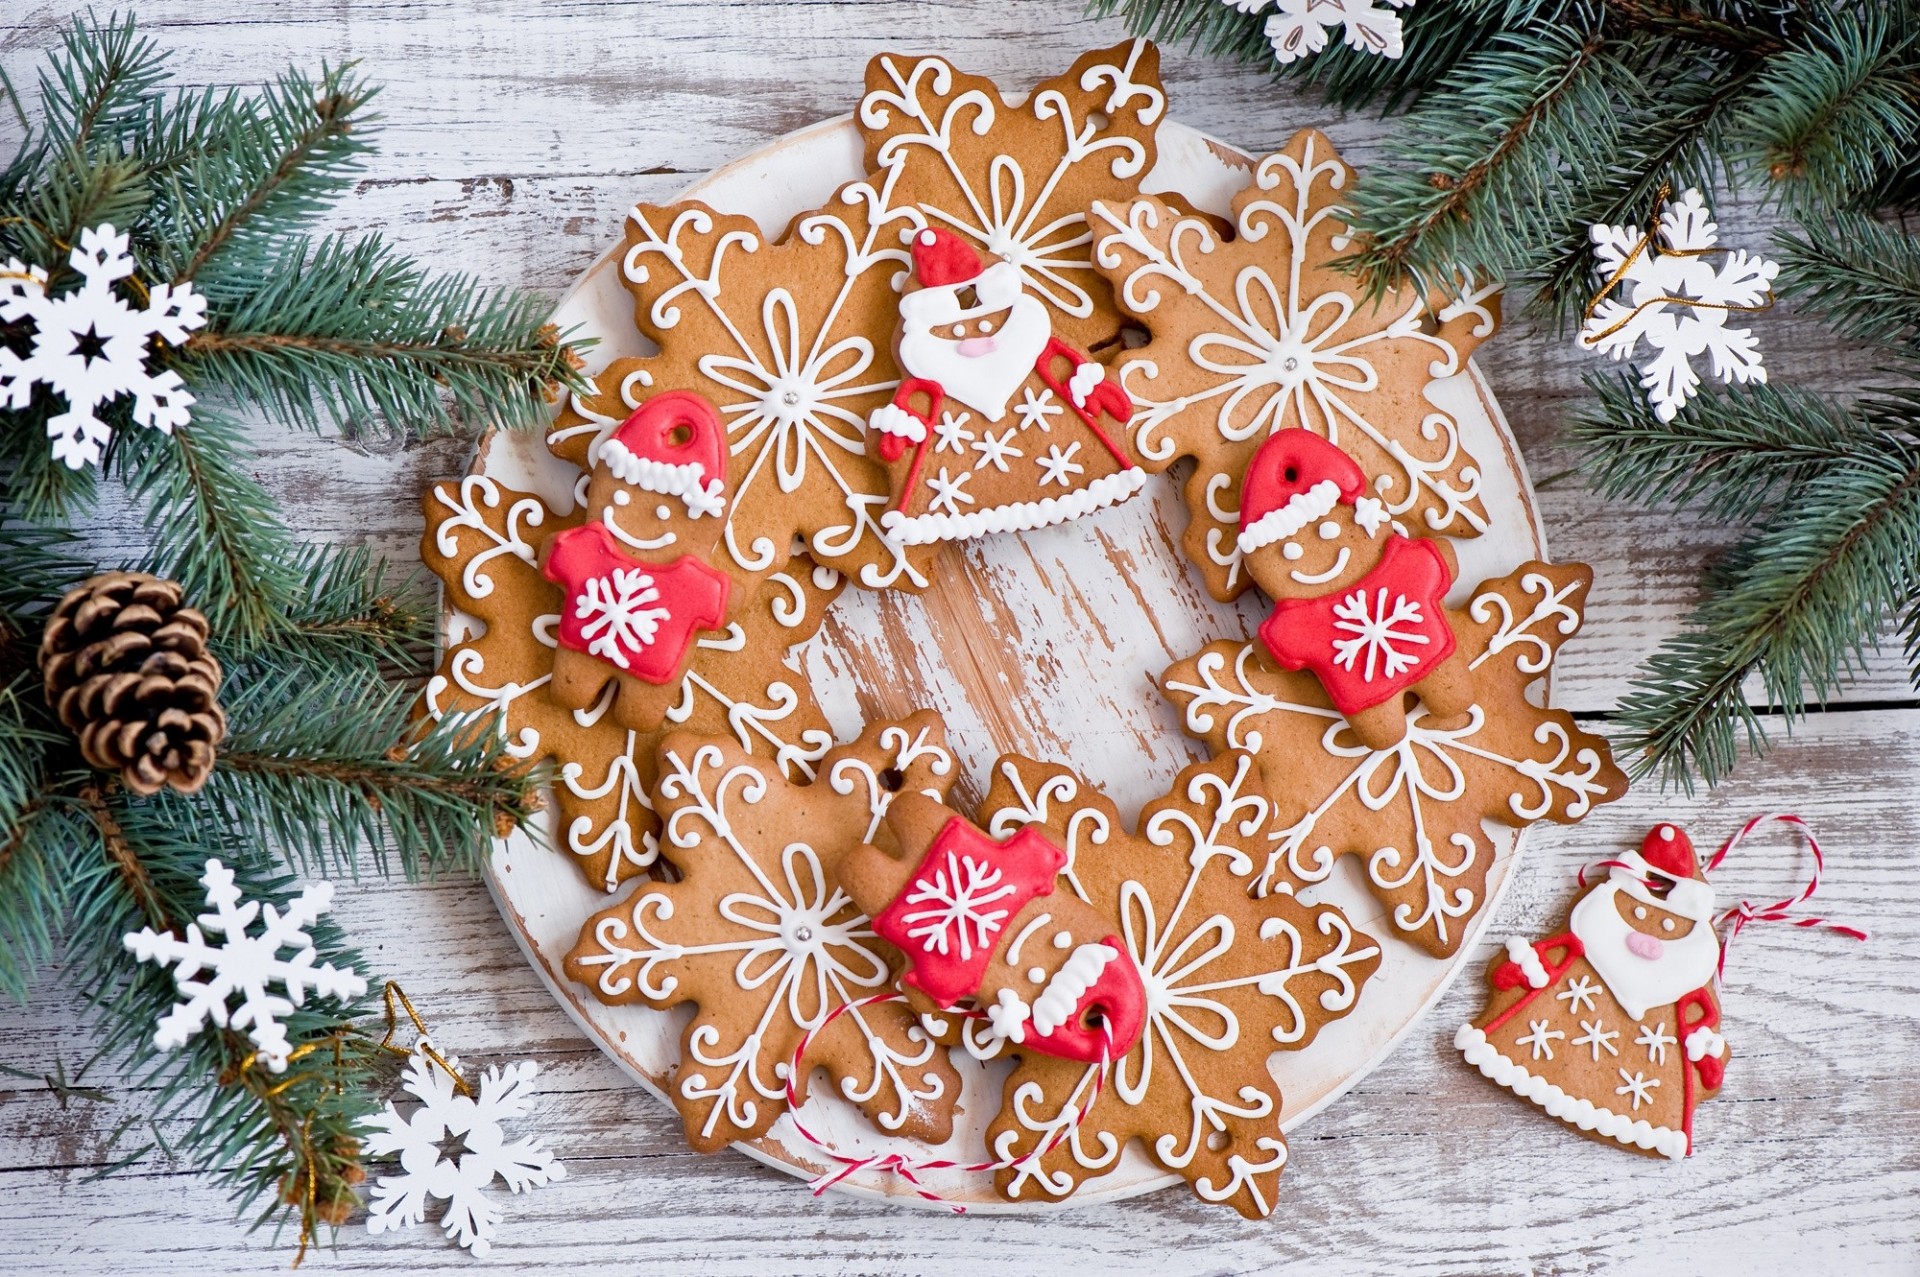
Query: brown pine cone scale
128	671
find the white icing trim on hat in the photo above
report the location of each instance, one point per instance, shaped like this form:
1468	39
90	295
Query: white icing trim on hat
1688	897
892	419
1085	377
1301	509
1020	516
682	480
1704	1041
1584	1114
1529	959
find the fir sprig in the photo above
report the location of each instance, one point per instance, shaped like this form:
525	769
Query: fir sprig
324	768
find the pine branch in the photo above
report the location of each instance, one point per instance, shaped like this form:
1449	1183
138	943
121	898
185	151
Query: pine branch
356	333
97	84
1734	451
1860	274
1798	605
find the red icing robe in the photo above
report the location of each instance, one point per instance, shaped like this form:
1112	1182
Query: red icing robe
1371	641
639	617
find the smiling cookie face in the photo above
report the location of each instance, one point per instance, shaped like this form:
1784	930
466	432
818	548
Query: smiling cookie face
650	525
1650	922
1327	554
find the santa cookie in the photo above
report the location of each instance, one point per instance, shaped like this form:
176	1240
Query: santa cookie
998	425
637	587
979	919
1355	602
1612	1026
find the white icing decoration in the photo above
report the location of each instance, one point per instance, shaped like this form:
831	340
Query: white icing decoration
1373	624
1703	1042
1340	563
1656	1040
1370	514
615	609
1540	1038
1034	410
894	420
621	535
1036	974
981	372
1059	1001
1637	984
1583	1114
1597	1037
995	451
477	491
1639	1086
1085	378
1020	937
1058	466
1579	995
1062	940
958	894
1528	957
1016	516
674	480
1301	509
1007	1017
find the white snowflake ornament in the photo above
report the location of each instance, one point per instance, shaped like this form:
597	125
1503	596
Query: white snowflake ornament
618	616
1299	28
459	1175
90	347
1675	288
244	964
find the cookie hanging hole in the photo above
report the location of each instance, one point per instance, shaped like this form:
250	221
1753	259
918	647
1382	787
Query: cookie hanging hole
1293	474
680	436
892	779
1098	120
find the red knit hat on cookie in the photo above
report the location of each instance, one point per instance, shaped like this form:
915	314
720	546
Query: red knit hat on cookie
673	444
1295	478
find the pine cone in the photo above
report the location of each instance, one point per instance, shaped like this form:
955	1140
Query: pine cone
128	671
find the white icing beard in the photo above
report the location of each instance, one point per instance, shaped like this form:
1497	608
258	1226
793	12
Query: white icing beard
982	382
1637	983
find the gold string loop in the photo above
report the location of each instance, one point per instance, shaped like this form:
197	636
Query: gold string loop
1643	245
398	1001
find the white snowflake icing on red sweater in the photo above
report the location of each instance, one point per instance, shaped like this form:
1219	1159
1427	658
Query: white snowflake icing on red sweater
959	894
248	965
1379	634
90	347
617	616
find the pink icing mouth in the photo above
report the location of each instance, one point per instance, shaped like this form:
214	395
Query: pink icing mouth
1644	946
974	347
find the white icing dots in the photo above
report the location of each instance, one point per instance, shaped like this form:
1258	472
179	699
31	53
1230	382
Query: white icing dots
1291	550
1063	941
1036	975
1329	530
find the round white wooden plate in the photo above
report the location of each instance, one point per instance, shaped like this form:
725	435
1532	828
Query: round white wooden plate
1045	643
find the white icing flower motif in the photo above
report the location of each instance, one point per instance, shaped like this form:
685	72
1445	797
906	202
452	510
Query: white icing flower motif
951	434
1299	28
1540	1038
1579	994
1598	1037
90	347
1036	409
1058	466
958	894
1676	293
1375	629
1639	1086
248	965
949	491
617	617
994	452
429	1170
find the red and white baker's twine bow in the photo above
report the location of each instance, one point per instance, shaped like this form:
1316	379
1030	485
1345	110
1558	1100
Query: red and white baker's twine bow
907	1168
1736	918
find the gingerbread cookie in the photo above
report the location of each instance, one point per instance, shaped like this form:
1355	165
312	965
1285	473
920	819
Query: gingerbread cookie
1612	1025
1231	979
1261	331
978	920
1357	603
757	932
1015	180
483	541
1412	812
636	588
965	461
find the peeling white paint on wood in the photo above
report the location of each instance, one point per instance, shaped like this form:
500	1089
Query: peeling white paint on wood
517	133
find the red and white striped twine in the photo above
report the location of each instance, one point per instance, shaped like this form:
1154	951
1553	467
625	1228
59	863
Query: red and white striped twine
908	1168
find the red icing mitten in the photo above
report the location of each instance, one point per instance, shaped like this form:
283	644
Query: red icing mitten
979	919
1355	602
997	425
638	588
1613	1025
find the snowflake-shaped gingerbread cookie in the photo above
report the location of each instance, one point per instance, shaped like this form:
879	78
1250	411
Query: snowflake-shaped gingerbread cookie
90	347
1261	332
1413	812
757	932
1229	978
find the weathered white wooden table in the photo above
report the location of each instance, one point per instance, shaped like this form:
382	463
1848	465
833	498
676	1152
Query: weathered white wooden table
518	131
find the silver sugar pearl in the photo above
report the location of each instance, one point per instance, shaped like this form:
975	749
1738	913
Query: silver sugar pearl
1291	364
803	934
791	398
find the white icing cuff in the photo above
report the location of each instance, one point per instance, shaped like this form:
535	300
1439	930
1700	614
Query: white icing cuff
1061	998
892	419
1529	959
1300	510
687	481
1703	1042
1085	377
925	529
1584	1114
